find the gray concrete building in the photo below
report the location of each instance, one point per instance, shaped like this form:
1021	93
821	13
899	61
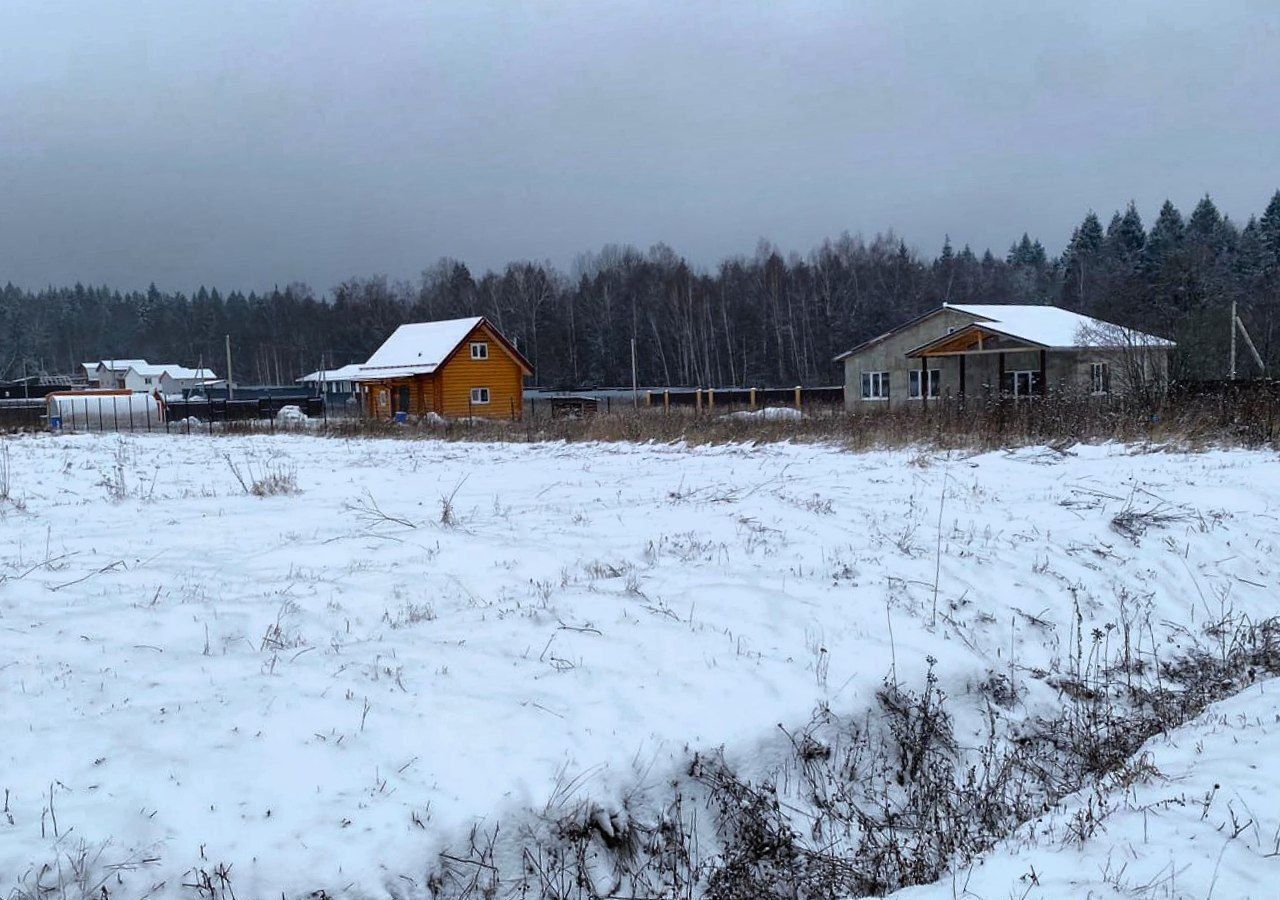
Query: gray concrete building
1011	349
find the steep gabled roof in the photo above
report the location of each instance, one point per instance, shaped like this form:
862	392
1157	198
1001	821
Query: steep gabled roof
420	348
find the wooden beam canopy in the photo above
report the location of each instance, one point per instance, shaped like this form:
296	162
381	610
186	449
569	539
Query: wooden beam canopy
970	341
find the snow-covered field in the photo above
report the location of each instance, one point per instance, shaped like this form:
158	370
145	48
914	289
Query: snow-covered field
321	690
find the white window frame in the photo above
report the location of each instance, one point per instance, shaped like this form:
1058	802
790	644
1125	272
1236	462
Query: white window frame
1031	375
480	396
479	350
1099	378
934	384
875	386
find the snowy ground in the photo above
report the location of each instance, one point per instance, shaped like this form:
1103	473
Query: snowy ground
322	689
1205	823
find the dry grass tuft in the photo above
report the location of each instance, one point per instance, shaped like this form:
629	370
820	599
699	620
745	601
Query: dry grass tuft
269	479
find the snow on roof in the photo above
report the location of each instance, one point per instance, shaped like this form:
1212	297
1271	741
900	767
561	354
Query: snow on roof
182	372
1054	327
121	365
345	373
150	369
417	348
173	370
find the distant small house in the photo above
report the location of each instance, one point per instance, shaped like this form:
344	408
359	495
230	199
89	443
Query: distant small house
333	381
143	378
1012	350
110	373
167	378
90	373
182	380
454	368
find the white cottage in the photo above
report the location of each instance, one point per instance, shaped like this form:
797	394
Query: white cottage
110	373
167	378
180	379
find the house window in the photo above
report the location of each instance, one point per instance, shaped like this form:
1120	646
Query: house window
479	396
875	385
933	383
1022	383
146	381
1100	378
480	350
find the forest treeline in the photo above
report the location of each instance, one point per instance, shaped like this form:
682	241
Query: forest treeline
764	319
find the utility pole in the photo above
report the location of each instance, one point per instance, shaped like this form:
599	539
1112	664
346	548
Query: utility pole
635	390
230	395
1233	341
1238	323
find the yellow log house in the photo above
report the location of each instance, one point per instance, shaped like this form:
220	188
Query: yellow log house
457	369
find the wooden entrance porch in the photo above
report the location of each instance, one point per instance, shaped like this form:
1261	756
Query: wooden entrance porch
982	342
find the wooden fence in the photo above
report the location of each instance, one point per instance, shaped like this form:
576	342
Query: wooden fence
744	398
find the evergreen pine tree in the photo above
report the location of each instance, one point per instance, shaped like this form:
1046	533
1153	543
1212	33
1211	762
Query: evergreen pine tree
1269	237
1125	235
1164	240
1205	220
1081	263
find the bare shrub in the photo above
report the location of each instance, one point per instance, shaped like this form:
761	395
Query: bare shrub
410	614
213	883
367	510
6	480
264	479
448	517
115	480
78	871
1133	521
6	473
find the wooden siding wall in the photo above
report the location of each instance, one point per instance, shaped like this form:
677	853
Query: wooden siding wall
499	373
421	395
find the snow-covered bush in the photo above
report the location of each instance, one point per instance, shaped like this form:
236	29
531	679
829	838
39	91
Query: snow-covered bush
291	416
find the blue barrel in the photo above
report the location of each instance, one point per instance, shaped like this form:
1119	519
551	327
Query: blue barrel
55	422
402	418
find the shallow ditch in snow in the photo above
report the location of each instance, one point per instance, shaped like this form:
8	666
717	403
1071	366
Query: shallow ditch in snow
867	805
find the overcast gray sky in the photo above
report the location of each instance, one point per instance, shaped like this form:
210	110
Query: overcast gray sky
246	143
